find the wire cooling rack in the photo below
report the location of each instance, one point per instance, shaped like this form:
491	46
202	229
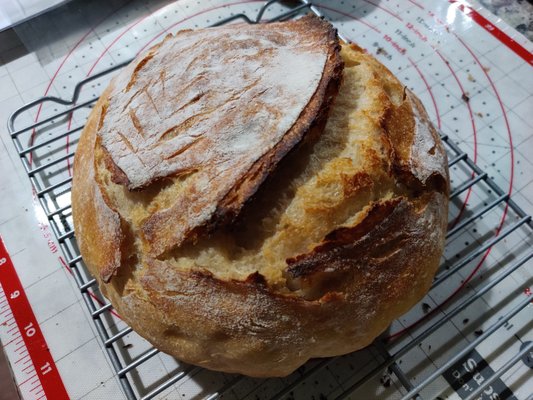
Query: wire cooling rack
487	272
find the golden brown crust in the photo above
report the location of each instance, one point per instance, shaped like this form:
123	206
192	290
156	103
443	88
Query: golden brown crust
312	119
244	327
145	140
354	244
97	221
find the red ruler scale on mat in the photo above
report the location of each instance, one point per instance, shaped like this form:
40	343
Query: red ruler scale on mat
32	362
495	31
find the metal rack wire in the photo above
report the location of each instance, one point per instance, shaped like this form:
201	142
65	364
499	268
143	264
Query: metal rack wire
40	147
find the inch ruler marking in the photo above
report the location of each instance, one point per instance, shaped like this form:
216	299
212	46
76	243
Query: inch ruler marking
33	366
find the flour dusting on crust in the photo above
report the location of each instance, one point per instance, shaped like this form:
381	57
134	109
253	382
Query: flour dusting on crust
225	102
426	149
218	109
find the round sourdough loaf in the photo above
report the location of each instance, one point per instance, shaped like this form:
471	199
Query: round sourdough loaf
250	197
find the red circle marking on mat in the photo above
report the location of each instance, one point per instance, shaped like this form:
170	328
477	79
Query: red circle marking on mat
192	16
32	136
472	120
90	292
402	331
57	71
506	124
463	93
464	204
136	23
166	29
508	127
465	282
381	8
504	116
417	4
505	211
351	16
69	125
115	40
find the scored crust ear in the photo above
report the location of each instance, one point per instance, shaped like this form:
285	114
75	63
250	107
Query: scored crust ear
97	225
226	129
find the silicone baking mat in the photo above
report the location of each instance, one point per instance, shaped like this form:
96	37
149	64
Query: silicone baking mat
473	73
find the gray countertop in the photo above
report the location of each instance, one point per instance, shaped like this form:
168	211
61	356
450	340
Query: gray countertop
517	13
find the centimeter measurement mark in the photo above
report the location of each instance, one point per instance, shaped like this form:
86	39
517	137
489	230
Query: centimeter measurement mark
32	364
